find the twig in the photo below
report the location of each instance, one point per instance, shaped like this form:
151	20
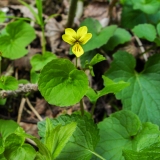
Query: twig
31	142
20	110
23	88
34	111
141	47
111	5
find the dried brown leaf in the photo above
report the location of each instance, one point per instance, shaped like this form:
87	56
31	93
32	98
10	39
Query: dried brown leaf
54	31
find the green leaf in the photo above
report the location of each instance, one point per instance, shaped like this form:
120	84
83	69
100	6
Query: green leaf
131	18
3	101
100	36
141	96
96	59
23	81
2	145
158	29
2	157
16	37
151	152
56	137
116	133
147	144
87	57
157	41
8	83
83	140
7	127
60	77
24	152
124	131
141	30
92	95
148	131
39	61
109	87
40	11
13	140
147	6
2	16
64	135
34	76
41	157
120	36
43	152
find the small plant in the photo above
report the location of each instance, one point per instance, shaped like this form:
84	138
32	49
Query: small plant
128	134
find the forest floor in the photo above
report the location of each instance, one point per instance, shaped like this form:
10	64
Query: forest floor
53	31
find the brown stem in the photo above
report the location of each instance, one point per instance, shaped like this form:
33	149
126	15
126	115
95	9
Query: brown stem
72	12
21	110
82	107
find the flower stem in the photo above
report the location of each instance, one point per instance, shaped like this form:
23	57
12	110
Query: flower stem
72	12
43	40
82	107
81	101
93	108
76	62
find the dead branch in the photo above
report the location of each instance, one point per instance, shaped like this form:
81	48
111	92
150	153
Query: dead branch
22	89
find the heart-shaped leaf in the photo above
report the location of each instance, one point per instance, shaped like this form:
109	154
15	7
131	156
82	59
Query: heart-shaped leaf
39	61
15	37
100	36
61	83
123	131
8	83
141	30
147	6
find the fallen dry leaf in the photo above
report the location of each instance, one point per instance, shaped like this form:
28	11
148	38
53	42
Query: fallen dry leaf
4	3
30	128
99	11
54	31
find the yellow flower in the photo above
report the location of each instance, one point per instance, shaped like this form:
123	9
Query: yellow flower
76	39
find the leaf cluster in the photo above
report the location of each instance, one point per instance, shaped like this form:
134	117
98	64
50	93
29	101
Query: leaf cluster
130	134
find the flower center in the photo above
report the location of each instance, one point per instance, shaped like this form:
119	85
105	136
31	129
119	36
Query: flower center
77	48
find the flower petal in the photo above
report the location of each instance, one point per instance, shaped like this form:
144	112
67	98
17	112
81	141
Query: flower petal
71	32
81	32
68	39
77	50
85	38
